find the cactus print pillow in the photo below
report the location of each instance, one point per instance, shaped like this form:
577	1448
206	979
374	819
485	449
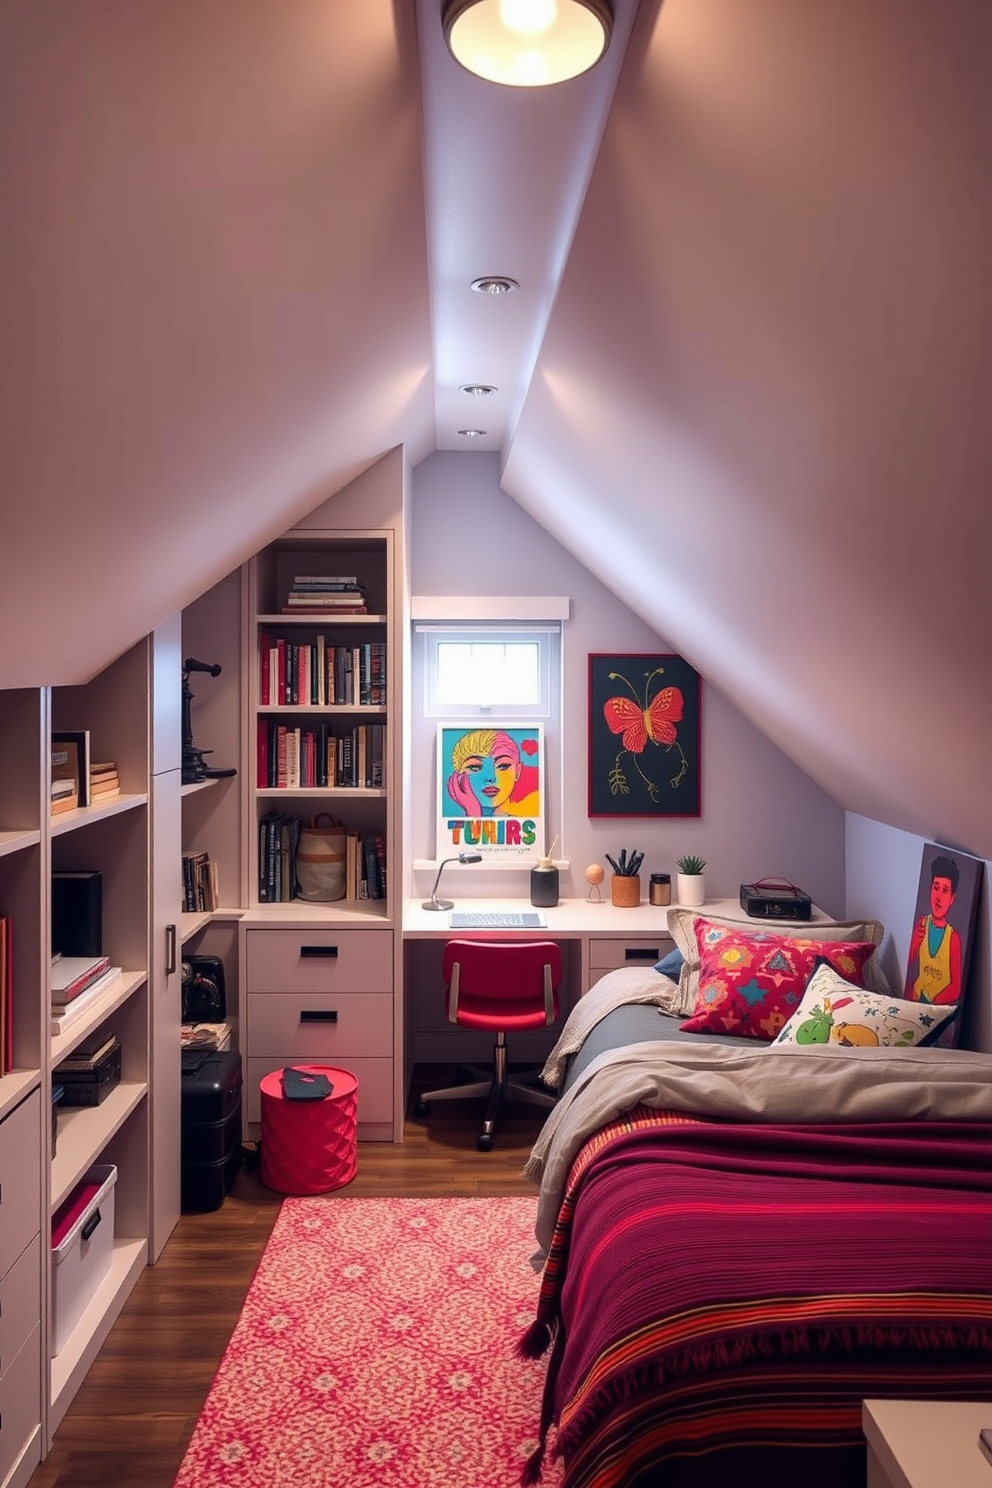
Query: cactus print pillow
752	981
833	1011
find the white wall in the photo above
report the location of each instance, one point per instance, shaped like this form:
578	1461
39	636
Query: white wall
760	814
883	872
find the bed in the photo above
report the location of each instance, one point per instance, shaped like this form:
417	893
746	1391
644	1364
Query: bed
741	1240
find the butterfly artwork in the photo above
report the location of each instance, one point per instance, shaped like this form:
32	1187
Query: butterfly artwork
645	731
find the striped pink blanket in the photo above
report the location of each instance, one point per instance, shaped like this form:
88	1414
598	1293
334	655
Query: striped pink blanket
720	1297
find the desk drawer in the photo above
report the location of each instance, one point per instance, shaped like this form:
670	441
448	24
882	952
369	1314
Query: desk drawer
319	961
607	955
20	1180
320	1025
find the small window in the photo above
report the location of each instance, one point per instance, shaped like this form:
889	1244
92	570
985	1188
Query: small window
475	670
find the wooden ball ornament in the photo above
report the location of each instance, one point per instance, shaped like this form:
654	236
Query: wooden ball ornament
595	873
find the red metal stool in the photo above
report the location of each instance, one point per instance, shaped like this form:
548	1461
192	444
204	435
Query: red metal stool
309	1147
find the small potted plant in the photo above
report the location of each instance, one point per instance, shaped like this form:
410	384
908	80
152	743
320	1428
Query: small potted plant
625	885
690	884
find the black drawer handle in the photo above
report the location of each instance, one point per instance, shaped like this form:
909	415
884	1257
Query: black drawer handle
632	954
307	1015
90	1225
318	951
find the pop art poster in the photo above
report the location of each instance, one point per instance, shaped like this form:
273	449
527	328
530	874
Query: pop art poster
491	791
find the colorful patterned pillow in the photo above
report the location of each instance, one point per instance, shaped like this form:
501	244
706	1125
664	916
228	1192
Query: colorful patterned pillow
834	1011
752	981
682	928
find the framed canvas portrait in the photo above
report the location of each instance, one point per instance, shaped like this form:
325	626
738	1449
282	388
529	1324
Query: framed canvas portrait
490	790
943	931
644	736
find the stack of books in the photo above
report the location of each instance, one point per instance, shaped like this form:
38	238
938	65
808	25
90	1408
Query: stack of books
104	781
77	981
326	594
200	888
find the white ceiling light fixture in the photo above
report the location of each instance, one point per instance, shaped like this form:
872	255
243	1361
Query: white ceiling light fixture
478	389
494	284
527	43
473	433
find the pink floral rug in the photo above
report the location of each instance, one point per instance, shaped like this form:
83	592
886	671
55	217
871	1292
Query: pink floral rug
376	1350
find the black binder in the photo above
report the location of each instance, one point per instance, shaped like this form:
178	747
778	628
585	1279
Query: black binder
77	913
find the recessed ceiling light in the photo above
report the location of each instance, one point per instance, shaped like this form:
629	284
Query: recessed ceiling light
473	433
478	389
494	284
527	43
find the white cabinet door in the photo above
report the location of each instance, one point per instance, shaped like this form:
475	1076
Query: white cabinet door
166	995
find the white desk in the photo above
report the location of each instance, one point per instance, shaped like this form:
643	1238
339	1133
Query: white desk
595	938
926	1444
605	937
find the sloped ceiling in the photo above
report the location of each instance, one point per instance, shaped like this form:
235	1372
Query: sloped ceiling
758	406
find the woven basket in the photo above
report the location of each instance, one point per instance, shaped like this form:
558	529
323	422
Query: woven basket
625	893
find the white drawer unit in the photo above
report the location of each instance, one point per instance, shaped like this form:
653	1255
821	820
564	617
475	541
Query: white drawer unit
322	997
609	953
309	961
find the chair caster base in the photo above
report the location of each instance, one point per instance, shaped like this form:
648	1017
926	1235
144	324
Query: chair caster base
422	1108
484	1142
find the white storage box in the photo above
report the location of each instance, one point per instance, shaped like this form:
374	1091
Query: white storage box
82	1249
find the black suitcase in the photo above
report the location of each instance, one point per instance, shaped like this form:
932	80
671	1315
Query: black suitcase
211	1127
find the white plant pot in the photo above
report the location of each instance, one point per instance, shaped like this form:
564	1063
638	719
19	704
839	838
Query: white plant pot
690	888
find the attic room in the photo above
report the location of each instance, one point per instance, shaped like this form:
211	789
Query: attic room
727	415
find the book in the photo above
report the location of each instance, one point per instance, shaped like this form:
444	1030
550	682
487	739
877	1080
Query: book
77	913
101	769
349	581
104	791
326	597
64	1015
77	740
71	975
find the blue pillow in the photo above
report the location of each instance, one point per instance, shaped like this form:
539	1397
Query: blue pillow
671	965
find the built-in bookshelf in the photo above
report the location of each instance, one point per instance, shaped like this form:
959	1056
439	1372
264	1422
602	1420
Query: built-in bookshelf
111	836
46	1149
320	740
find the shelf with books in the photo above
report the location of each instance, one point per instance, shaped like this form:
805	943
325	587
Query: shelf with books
68	1036
317	669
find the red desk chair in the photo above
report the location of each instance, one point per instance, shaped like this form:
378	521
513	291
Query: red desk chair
504	986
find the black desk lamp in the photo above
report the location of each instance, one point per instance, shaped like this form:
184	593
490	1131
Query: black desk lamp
434	902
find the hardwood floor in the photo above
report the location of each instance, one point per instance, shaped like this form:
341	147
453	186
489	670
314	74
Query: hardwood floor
133	1416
